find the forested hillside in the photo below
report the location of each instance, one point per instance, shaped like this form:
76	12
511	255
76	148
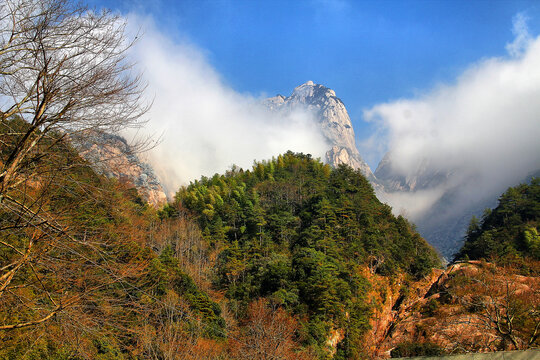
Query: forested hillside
79	278
85	271
509	230
290	259
91	271
299	233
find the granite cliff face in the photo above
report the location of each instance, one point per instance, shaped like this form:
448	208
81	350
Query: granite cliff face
333	119
112	156
455	310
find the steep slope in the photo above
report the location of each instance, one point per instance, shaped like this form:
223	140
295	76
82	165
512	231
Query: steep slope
472	306
333	120
423	177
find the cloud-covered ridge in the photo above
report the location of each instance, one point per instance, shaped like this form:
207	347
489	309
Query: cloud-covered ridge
483	132
205	125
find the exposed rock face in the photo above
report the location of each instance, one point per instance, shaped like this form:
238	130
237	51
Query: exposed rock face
443	309
333	120
393	307
112	156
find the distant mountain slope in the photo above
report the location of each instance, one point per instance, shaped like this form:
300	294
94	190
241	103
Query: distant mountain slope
425	176
444	223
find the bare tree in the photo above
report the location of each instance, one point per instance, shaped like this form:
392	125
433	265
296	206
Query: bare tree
505	304
267	333
64	74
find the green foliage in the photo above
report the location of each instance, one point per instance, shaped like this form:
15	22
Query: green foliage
532	241
430	308
508	231
296	231
106	350
42	349
167	212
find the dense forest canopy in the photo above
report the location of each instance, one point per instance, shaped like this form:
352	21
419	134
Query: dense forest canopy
509	230
300	233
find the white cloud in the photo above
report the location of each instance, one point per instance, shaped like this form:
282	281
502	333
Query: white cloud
522	37
207	126
485	127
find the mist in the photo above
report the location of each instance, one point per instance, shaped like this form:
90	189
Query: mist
481	132
203	125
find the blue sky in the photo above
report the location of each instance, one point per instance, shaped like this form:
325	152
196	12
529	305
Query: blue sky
369	52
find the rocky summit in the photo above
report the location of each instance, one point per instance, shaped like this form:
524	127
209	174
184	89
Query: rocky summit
333	119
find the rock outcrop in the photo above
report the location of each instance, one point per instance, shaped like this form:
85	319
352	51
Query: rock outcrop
112	156
333	119
456	310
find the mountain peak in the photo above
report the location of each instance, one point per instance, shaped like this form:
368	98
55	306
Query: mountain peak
333	120
312	91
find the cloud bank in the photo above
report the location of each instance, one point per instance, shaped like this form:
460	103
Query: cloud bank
482	132
205	126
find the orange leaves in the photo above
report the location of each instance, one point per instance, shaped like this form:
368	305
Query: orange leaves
267	333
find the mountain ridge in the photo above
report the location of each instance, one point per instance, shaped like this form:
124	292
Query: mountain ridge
436	222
